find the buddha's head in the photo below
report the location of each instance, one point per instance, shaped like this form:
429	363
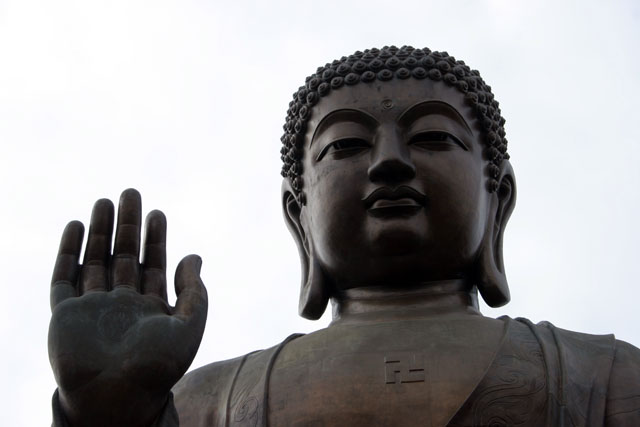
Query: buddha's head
396	175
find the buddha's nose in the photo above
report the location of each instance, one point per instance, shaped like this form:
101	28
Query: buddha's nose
391	159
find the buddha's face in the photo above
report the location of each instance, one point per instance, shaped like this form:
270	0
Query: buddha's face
395	184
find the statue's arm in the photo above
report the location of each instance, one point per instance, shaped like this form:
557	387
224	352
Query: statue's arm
623	395
116	346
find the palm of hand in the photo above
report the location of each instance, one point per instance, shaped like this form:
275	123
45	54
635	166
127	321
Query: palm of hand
114	341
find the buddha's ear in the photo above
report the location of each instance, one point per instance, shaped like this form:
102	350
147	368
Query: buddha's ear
314	295
490	275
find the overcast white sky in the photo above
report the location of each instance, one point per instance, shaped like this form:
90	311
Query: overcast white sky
185	101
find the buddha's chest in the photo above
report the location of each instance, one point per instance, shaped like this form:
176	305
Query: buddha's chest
396	374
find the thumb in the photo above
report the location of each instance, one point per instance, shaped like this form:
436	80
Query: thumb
192	295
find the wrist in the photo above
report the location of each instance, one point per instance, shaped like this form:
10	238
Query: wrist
109	410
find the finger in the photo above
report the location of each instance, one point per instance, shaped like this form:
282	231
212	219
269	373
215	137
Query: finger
96	255
192	295
154	257
65	272
126	250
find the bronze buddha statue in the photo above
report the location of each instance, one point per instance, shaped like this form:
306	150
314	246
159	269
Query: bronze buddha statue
397	189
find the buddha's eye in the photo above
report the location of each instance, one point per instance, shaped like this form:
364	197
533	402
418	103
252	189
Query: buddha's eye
345	147
436	141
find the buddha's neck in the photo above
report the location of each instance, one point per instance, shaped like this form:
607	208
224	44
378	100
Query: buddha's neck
391	303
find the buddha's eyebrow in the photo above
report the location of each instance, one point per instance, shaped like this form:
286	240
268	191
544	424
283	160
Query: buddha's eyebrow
433	107
344	115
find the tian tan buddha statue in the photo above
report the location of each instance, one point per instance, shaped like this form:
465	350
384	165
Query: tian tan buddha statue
397	189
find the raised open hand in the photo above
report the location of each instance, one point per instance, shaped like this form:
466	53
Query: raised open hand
115	344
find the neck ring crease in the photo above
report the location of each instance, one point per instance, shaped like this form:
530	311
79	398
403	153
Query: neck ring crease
388	303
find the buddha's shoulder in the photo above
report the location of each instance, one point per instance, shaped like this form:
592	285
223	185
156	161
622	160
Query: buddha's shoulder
617	359
206	380
200	396
548	333
203	395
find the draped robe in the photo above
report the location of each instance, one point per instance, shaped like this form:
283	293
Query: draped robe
535	375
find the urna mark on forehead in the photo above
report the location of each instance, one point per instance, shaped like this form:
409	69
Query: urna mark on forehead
384	65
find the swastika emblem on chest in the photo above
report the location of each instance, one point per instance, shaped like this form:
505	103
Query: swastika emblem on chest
401	368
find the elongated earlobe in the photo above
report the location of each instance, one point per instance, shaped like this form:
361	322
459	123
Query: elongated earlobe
490	273
313	292
314	295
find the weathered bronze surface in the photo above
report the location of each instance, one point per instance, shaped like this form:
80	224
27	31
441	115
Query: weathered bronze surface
397	191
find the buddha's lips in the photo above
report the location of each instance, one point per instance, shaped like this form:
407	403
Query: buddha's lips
402	196
399	203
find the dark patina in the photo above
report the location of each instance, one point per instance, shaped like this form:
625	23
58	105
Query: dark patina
397	189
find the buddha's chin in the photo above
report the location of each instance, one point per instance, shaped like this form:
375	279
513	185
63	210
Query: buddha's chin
397	237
